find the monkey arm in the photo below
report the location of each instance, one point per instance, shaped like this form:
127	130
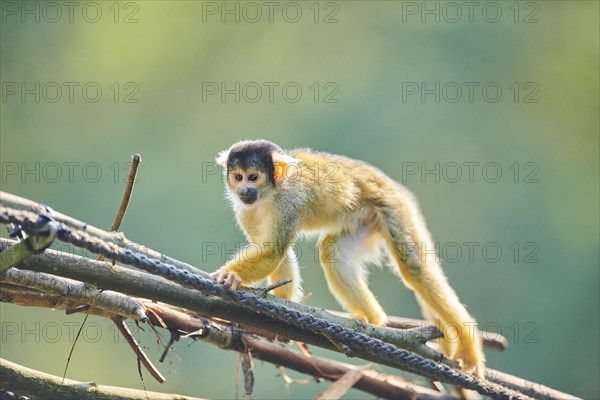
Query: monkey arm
256	260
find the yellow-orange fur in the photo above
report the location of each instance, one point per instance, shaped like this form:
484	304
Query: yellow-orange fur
355	209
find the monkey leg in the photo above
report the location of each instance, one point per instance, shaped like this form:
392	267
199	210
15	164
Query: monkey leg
462	340
448	342
288	269
410	245
439	300
341	258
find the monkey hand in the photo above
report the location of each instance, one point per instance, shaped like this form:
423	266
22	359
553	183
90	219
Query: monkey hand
230	279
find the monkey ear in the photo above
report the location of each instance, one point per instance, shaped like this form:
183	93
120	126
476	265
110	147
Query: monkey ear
284	166
222	158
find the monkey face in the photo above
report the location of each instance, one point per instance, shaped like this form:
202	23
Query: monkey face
247	184
255	169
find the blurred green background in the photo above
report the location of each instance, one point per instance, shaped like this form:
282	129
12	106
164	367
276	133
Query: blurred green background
155	63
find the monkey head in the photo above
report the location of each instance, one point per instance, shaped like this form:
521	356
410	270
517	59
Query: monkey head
254	169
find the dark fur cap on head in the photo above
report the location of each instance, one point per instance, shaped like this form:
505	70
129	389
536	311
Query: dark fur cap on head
256	154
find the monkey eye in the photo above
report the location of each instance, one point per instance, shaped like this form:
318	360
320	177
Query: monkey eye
238	177
253	178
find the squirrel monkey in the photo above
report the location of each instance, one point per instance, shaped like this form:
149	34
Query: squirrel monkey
355	209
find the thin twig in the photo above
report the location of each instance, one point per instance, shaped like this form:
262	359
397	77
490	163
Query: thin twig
135	346
142	357
275	285
126	197
344	383
85	318
174	336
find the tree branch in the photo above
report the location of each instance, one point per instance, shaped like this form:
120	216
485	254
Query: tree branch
112	302
29	382
117	238
141	284
491	340
228	336
182	323
32	298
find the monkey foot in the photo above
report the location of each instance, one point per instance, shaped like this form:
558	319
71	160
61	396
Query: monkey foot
363	322
378	319
471	359
229	279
